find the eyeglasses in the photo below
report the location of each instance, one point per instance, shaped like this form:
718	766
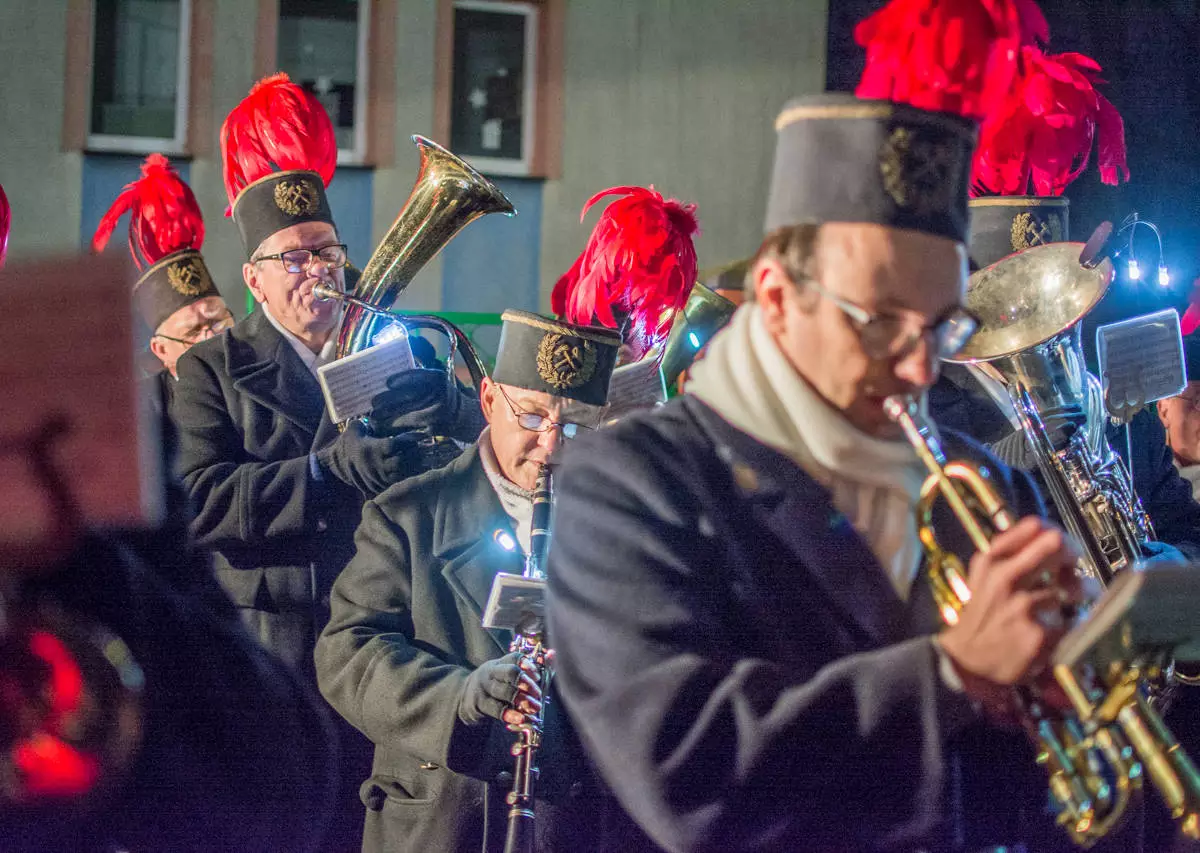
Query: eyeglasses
208	330
332	256
534	422
893	336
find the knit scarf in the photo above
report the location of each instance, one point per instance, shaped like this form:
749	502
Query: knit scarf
874	482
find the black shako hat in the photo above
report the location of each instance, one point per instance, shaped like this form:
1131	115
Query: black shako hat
172	283
277	201
839	158
1004	224
562	359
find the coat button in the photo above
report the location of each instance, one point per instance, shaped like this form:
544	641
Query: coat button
575	790
429	765
322	525
504	778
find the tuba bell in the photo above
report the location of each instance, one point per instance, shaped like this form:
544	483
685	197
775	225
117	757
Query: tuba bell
447	196
1029	306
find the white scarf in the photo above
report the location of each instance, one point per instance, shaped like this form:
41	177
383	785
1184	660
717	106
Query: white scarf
517	502
312	360
875	483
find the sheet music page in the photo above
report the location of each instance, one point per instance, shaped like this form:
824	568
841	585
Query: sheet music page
350	383
70	356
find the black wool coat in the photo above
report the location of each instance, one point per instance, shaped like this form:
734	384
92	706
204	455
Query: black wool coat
740	667
404	636
249	413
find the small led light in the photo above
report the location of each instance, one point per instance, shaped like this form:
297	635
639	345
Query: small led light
695	339
504	540
1135	272
1164	277
390	332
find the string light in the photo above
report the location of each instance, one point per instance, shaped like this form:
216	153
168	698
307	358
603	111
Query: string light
1134	270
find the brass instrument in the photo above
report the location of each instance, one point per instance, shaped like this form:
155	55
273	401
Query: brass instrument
1029	307
1089	755
702	316
529	641
447	196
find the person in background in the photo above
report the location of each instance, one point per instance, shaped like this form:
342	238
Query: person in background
1180	418
174	293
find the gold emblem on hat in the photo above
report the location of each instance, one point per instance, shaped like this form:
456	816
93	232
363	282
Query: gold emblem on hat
920	171
565	362
297	197
188	277
1028	230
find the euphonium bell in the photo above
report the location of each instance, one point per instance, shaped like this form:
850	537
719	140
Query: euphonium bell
448	195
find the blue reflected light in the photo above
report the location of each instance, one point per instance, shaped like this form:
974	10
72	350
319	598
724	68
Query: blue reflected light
695	339
390	332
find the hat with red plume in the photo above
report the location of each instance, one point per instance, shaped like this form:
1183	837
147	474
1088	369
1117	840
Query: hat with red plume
898	152
5	224
637	269
1037	141
279	152
166	231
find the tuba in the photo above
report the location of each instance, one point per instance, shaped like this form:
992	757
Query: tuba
1029	307
1089	754
447	196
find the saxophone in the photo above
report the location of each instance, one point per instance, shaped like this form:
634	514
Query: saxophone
529	642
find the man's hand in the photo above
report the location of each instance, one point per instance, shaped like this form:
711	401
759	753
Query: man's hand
1009	628
504	689
426	402
368	463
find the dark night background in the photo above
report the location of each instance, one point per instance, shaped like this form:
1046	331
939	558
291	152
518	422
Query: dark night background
1147	50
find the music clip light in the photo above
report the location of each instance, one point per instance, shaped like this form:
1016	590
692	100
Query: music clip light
1164	277
390	332
505	540
1135	272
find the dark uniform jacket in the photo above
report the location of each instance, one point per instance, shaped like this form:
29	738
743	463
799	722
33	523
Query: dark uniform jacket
958	402
739	666
248	413
404	636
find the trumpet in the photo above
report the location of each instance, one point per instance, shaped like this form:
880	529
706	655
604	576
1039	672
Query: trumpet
1096	754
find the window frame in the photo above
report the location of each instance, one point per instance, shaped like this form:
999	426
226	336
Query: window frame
532	12
116	143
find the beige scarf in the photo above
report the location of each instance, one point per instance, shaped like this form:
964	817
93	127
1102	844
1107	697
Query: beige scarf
875	483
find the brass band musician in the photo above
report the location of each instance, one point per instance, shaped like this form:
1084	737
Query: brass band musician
404	657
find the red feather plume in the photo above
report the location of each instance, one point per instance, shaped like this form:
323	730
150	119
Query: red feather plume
164	215
956	56
277	127
5	224
1044	131
640	263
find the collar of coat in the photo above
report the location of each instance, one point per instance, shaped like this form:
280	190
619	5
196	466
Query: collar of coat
466	518
265	367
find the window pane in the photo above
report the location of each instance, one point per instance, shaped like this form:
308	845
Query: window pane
136	72
318	48
489	84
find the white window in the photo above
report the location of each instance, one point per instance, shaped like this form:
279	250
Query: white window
493	90
322	45
139	91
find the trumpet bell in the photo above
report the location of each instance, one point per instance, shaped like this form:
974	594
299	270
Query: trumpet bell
1030	297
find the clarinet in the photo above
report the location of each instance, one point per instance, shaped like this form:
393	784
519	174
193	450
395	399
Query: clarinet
529	641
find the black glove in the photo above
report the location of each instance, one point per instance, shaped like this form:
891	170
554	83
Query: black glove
426	402
491	689
368	463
